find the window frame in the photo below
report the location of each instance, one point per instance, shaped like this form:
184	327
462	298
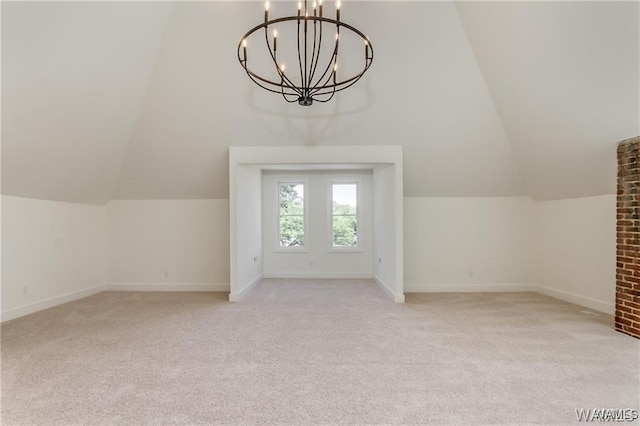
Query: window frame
359	247
305	215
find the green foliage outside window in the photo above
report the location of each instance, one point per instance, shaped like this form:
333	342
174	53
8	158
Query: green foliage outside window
344	219
292	215
345	225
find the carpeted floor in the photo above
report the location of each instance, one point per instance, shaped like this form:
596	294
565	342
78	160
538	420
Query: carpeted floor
314	351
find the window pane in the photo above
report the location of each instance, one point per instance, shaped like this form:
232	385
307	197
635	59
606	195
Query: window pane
344	224
345	198
291	199
291	214
345	231
292	231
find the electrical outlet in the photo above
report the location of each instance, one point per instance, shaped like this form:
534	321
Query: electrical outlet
166	274
25	289
470	274
379	260
255	259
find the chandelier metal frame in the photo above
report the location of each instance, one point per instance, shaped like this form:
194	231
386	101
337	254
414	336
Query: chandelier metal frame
311	86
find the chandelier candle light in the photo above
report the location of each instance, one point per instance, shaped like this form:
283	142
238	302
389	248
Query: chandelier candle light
309	82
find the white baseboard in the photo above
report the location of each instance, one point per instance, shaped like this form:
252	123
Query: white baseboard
236	297
50	303
467	288
320	275
597	305
207	287
594	304
398	298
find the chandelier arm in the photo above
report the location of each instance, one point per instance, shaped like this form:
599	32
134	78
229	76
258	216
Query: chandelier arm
305	83
350	81
330	65
325	100
275	62
338	87
325	85
333	91
315	64
313	54
341	86
295	99
318	88
284	95
283	84
299	56
261	82
345	83
255	77
256	81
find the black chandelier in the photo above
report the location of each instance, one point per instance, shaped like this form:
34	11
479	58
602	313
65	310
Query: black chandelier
313	80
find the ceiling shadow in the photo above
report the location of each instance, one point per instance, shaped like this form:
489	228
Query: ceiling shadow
311	125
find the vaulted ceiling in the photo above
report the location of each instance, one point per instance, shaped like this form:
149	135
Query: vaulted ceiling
137	100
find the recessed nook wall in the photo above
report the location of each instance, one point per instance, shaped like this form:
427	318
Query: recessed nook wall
318	259
246	229
386	163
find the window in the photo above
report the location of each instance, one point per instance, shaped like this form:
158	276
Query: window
344	215
291	218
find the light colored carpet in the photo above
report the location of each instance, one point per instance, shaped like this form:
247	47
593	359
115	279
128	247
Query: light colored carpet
314	351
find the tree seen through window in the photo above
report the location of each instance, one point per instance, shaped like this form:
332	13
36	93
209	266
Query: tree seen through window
344	214
291	198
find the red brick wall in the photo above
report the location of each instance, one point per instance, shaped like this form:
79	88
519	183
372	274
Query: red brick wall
627	318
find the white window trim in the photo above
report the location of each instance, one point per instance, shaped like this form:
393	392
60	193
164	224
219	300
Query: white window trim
292	180
359	248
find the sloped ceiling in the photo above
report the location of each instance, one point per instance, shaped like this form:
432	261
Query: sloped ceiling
434	103
564	78
74	76
142	100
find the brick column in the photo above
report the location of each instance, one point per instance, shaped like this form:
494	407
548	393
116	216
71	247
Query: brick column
627	318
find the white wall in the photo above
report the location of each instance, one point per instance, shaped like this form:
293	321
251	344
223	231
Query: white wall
576	250
467	244
52	253
318	261
563	248
384	267
186	239
248	208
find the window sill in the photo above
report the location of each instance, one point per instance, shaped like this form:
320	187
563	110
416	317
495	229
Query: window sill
291	250
346	250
